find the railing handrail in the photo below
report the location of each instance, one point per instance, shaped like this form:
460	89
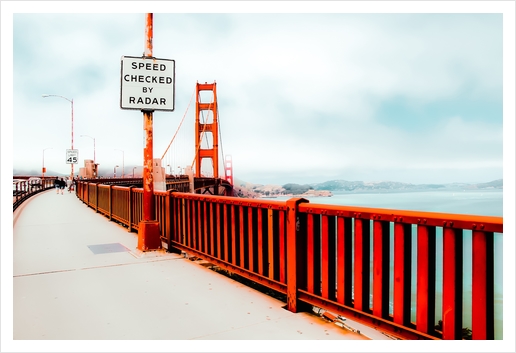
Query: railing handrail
438	219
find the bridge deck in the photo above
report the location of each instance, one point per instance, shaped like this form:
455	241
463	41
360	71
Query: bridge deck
78	276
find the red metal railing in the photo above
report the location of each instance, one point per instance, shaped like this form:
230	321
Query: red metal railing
350	260
23	189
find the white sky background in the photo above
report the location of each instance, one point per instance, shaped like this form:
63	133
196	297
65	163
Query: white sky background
302	97
320	95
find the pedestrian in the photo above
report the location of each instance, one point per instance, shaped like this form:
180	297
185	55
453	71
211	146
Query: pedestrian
69	184
62	184
57	185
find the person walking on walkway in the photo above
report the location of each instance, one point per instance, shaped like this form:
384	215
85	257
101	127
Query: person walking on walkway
62	185
57	185
69	184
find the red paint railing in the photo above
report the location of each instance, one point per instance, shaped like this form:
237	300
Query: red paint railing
23	189
351	260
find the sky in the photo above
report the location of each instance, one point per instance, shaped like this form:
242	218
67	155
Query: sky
307	91
303	97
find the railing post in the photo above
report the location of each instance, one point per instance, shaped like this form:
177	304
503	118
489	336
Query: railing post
361	278
226	230
96	197
313	254
425	285
345	260
482	296
130	209
169	227
328	257
233	233
452	271
240	209
87	195
110	198
293	229
381	267
402	272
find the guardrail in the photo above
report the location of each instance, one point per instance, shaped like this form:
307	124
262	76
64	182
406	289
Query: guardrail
351	260
23	189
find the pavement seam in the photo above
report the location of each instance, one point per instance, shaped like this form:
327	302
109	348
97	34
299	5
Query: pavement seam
91	268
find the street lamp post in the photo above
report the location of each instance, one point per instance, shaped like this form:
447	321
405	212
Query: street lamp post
94	159
114	171
133	171
116	149
71	101
43	170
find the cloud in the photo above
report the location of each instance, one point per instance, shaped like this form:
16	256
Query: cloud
296	92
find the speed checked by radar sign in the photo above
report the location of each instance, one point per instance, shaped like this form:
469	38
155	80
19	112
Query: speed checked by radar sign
147	83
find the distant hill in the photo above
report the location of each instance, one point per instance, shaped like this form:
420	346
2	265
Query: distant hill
386	186
495	184
345	186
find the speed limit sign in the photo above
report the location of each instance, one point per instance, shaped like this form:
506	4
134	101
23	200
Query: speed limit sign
72	156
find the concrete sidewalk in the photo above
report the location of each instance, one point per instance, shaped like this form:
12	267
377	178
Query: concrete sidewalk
78	276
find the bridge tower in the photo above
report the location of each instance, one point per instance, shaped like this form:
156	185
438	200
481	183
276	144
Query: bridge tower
228	169
209	126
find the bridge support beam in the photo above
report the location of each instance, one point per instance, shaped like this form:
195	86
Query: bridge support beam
295	237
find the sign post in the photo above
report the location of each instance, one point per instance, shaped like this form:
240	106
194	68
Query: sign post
147	84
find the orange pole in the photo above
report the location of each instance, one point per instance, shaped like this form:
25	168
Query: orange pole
148	179
149	237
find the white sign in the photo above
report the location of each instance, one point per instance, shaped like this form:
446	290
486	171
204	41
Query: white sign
147	83
72	156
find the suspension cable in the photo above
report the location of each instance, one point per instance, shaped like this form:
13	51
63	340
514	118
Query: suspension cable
181	123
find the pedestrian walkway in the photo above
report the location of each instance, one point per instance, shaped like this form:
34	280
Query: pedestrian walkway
78	276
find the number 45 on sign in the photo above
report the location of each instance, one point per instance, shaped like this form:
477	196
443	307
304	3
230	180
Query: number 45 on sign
72	156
